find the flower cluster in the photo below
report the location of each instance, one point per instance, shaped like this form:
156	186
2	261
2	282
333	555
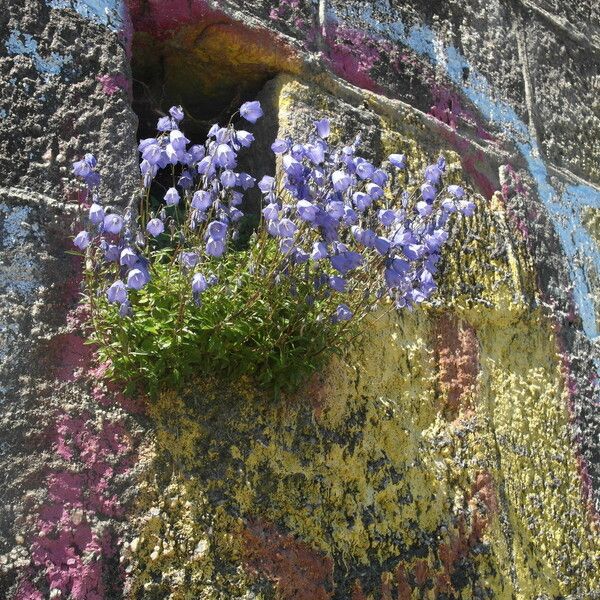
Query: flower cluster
336	232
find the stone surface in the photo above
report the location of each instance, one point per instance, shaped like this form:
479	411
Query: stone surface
457	457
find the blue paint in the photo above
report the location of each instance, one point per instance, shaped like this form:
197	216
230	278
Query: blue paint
564	206
106	12
25	44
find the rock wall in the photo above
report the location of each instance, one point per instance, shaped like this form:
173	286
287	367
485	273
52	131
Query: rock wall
454	453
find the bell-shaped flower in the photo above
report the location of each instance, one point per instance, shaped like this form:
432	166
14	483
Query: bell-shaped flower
166	124
82	240
217	230
292	167
337	283
188	259
286	246
448	205
117	292
319	251
466	207
96	214
271	212
323	128
176	112
350	217
300	256
172	197
456	190
335	209
423	208
224	156
341	181
306	210
428	192
364	169
386	217
199	283
215	248
413	251
279	146
245	181
265	185
128	257
433	174
251	111
152	153
362	201
235	215
379	177
228	178
342	313
382	245
137	279
398	160
244	138
155	227
197	152
286	228
178	140
113	223
201	200
374	190
315	153
81	168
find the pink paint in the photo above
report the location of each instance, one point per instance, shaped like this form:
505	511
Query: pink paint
114	83
74	538
161	18
352	54
73	541
448	109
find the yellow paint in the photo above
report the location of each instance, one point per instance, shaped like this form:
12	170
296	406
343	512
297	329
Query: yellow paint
377	471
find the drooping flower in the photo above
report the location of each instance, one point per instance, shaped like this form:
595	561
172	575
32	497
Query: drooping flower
128	257
117	292
341	181
228	178
319	251
176	112
306	210
113	223
178	140
172	197
251	111
137	278
398	160
428	192
82	240
343	313
215	248
456	190
245	138
96	214
217	230
337	283
189	259
202	200
155	227
199	283
433	174
225	156
279	146
323	128
286	228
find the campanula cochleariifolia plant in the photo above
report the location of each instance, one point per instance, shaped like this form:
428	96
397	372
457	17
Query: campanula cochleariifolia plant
175	294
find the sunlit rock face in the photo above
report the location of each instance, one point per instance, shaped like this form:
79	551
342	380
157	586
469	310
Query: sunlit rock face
452	453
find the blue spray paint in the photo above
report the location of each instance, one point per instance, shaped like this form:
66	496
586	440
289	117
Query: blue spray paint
105	12
563	207
25	44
